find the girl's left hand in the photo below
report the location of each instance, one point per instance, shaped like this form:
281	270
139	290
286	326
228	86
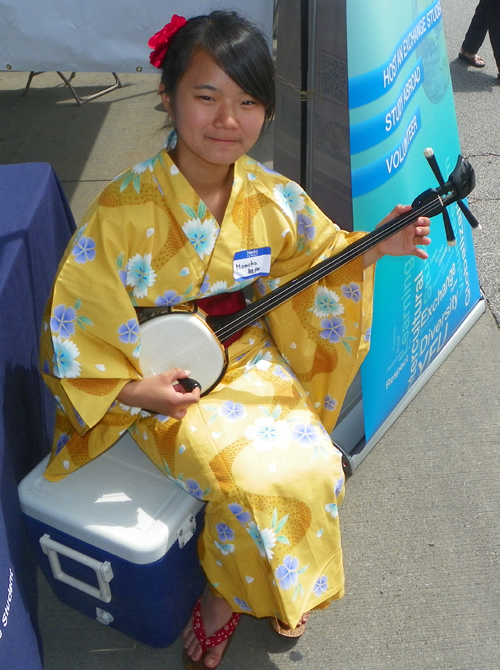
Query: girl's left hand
403	243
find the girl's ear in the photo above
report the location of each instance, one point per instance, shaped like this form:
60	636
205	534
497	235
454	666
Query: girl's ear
165	99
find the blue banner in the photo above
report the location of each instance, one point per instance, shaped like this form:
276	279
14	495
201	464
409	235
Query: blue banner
369	86
397	109
371	132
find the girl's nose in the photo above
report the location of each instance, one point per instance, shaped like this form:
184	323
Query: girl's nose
226	117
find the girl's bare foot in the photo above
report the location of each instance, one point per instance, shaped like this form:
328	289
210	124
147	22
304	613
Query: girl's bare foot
215	613
285	630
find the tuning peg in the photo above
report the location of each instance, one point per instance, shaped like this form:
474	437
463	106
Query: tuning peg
431	159
469	215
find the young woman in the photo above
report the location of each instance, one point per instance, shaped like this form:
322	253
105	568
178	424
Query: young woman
168	232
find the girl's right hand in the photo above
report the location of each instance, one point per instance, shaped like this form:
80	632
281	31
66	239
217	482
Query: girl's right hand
160	393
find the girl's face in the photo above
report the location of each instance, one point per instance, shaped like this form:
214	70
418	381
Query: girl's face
216	121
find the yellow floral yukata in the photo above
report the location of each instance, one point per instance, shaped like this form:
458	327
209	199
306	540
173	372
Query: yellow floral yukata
256	448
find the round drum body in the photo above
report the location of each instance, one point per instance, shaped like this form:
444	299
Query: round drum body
182	340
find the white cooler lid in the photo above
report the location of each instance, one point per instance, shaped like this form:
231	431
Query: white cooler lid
119	502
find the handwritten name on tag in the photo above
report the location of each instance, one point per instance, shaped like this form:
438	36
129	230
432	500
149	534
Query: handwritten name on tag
251	263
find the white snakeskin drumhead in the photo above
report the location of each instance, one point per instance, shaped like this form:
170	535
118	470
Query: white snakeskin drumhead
181	340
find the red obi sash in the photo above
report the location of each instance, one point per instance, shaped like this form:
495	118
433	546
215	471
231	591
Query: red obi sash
222	304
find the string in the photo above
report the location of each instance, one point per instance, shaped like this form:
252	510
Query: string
267	303
296	285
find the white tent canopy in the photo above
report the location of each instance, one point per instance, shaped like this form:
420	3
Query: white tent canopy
109	36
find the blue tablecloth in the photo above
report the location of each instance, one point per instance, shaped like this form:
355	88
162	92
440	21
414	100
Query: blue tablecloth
35	226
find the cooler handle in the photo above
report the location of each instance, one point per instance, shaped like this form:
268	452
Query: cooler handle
103	571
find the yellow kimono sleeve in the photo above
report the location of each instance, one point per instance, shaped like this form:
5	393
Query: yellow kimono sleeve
323	332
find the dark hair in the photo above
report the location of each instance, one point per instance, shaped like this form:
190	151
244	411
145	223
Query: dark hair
235	44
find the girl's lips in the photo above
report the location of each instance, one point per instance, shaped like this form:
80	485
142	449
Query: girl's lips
223	140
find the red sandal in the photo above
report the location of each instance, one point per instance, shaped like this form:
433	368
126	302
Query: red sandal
207	643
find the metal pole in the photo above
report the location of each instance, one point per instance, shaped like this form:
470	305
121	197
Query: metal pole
304	64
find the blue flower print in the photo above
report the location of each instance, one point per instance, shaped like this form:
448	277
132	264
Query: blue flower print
225	532
267	169
128	333
84	250
62	442
334	329
368	335
193	488
305	434
279	371
238	511
78	418
162	418
321	586
351	292
205	286
330	403
65	355
46	367
261	286
232	411
62	322
242	604
168	299
287	572
305	227
338	486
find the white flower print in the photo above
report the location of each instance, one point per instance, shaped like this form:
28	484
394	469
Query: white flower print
134	410
140	274
264	539
224	548
267	433
65	354
332	510
326	303
202	235
218	287
289	198
262	361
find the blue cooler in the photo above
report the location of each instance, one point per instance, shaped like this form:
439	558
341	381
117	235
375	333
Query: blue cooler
117	541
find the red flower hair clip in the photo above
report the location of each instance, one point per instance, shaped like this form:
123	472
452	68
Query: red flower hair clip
160	42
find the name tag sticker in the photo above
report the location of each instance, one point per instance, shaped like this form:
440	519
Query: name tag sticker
252	263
